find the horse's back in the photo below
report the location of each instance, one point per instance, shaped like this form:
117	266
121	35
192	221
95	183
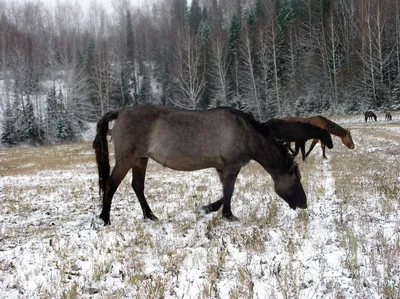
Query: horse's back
314	120
181	139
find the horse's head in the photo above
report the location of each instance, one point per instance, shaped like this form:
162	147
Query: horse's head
347	140
327	139
288	186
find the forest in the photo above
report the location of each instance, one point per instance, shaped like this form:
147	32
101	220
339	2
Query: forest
62	68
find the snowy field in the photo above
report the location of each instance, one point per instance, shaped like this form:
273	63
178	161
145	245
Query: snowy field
345	245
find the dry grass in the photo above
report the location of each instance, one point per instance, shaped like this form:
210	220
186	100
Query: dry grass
26	161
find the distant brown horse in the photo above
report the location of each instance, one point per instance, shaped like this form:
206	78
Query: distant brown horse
388	116
222	138
369	115
330	126
299	133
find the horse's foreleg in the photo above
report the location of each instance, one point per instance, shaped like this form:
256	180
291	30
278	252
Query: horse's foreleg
138	177
313	143
287	144
303	151
227	178
323	150
117	175
296	149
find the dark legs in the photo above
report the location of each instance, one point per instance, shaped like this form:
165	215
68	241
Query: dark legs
138	176
303	151
313	143
227	178
323	150
117	175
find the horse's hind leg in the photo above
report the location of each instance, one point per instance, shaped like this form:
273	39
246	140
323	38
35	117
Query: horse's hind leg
138	177
216	205
228	184
119	172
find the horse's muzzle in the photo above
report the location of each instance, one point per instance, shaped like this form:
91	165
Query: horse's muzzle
303	206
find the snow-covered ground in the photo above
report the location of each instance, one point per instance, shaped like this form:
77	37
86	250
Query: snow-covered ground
345	245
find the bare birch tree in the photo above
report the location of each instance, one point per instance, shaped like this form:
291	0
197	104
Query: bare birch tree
188	77
218	70
248	76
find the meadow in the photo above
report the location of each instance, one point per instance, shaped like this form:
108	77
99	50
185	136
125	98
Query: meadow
346	244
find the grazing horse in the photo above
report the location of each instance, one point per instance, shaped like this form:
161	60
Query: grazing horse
222	138
330	126
299	133
388	116
369	115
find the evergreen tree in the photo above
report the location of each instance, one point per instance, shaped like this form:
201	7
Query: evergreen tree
233	57
31	129
52	114
179	11
195	16
8	133
89	64
395	97
145	93
203	37
121	89
18	119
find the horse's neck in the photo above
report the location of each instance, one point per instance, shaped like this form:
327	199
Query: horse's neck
335	129
269	156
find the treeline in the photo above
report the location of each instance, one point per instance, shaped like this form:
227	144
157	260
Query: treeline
61	68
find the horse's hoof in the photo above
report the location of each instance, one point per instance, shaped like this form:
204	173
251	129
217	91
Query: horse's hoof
150	217
105	218
206	209
153	218
209	209
230	217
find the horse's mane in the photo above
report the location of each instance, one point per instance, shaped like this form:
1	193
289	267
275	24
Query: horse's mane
264	130
332	127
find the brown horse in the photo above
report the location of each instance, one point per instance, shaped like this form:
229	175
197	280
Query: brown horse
222	138
388	116
299	133
330	126
369	115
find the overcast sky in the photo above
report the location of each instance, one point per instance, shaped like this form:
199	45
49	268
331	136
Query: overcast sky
85	4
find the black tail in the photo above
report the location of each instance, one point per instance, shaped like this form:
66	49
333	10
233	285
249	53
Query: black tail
100	146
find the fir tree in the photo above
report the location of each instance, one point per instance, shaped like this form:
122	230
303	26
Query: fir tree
203	37
8	124
31	129
195	16
121	89
51	114
179	11
89	62
232	57
145	93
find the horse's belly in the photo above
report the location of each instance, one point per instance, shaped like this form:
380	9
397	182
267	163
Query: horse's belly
190	163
